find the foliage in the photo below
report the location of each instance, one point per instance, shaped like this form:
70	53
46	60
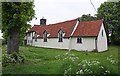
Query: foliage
73	65
12	58
87	17
70	63
0	16
23	33
15	16
56	61
110	12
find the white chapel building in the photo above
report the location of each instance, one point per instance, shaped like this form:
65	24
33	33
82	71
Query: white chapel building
71	35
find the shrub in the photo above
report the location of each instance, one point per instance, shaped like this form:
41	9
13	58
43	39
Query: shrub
92	67
12	58
73	65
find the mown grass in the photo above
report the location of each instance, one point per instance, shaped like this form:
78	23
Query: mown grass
56	61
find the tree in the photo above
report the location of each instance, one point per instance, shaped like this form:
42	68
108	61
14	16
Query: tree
15	16
110	12
87	17
0	16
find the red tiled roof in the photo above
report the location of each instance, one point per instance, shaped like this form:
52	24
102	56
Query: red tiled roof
89	28
53	29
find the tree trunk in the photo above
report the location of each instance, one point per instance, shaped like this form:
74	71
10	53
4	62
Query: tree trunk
13	41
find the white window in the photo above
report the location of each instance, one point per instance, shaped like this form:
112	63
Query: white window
102	33
79	40
60	36
35	36
45	36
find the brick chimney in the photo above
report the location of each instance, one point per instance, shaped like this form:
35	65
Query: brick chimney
43	21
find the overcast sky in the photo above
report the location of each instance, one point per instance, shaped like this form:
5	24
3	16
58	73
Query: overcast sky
61	10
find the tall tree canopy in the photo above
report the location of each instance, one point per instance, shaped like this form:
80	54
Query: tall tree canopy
110	12
15	16
87	17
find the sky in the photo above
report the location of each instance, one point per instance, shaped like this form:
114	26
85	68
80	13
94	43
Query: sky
56	11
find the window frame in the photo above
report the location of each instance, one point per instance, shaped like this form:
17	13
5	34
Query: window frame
102	33
35	37
60	36
79	40
45	37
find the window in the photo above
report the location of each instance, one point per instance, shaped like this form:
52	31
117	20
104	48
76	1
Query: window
79	40
45	37
60	35
35	36
102	33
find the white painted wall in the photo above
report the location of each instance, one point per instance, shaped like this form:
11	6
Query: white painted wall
88	43
102	40
29	38
52	43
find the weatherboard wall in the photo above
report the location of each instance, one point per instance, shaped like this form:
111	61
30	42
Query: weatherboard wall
88	44
52	43
29	39
102	40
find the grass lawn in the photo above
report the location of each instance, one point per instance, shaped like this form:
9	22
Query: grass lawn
56	61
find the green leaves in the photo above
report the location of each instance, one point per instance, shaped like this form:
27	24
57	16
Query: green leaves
87	17
110	12
16	14
13	58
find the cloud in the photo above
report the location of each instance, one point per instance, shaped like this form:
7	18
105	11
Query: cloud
61	10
